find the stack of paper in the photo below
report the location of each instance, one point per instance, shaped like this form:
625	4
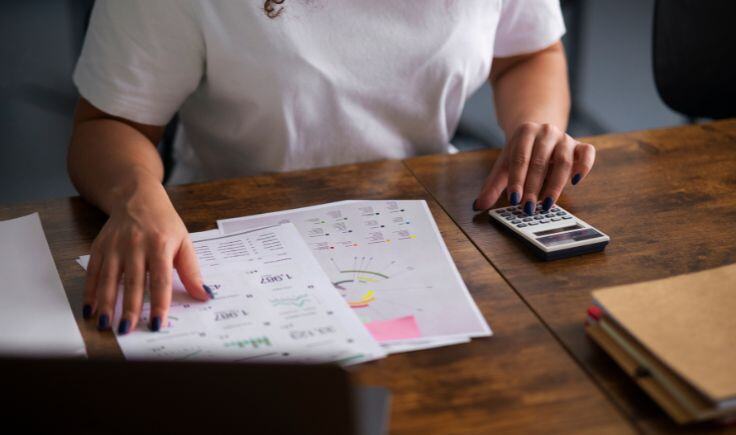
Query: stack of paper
389	262
35	317
677	338
345	282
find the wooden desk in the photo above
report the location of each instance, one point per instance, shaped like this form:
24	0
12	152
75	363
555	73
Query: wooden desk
534	374
666	197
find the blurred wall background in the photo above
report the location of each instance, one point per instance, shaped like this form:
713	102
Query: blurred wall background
608	43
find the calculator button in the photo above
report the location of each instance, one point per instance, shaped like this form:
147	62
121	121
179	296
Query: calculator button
508	218
533	223
521	225
555	210
511	209
526	219
566	217
555	219
549	215
562	213
516	221
538	217
544	221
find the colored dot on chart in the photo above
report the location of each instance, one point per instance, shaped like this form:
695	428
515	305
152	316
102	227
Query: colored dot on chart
332	247
355	244
413	236
388	241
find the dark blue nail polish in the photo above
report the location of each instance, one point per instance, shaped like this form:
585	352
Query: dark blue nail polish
123	326
529	207
547	204
209	290
103	322
514	198
87	311
155	324
576	179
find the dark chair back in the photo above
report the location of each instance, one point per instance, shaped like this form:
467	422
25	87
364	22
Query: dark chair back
694	51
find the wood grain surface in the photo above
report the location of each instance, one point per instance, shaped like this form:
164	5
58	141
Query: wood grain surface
518	381
666	197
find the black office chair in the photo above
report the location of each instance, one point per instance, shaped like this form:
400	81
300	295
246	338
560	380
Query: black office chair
694	51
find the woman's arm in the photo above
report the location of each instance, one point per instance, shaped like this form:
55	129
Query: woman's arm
533	102
109	158
114	164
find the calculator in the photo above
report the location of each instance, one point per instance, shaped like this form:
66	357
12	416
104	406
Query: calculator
553	234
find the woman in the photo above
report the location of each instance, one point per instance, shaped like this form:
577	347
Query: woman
291	84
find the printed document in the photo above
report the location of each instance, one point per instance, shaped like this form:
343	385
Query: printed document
387	259
272	303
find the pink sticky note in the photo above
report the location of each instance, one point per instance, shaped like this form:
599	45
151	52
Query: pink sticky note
399	328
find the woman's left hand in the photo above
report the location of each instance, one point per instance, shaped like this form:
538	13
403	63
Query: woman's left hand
535	165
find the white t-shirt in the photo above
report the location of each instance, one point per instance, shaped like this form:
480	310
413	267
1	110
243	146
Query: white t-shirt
326	82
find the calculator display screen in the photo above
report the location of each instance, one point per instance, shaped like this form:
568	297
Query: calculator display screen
558	230
569	237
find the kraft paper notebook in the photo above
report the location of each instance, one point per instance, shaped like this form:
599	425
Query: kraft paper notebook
681	333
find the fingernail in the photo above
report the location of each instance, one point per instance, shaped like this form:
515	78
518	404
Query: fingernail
123	326
547	204
576	179
103	322
212	295
87	311
529	207
155	324
514	198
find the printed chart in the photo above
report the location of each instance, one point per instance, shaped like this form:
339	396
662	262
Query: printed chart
272	303
389	263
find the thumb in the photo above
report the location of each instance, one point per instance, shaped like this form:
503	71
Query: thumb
188	267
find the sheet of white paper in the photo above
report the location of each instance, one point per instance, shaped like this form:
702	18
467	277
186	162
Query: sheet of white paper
272	303
388	260
35	316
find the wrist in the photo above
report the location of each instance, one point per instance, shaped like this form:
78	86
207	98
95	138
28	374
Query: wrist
137	191
534	123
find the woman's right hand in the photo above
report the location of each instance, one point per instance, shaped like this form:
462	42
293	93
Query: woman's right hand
143	235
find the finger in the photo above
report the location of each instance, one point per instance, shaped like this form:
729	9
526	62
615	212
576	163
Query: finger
544	145
160	266
188	268
107	290
134	279
520	153
560	168
494	185
90	284
583	162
